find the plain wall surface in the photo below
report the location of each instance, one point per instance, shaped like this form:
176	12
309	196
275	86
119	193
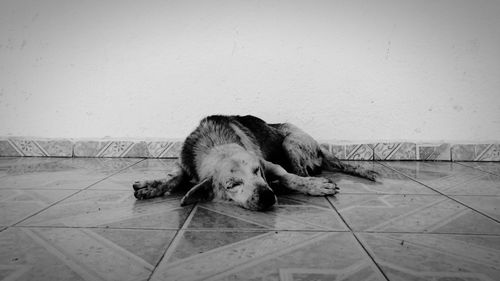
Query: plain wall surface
342	70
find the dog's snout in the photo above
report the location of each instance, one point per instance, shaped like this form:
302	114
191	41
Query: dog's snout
265	198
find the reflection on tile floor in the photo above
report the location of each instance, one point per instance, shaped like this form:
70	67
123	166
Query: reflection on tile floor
450	178
77	219
411	213
491	167
405	256
96	208
80	253
62	173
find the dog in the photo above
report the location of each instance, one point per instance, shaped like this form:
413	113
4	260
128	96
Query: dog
243	159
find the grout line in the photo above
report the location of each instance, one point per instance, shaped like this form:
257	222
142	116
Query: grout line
383	193
175	240
429	233
357	239
413	194
42	188
248	230
445	195
95	227
75	193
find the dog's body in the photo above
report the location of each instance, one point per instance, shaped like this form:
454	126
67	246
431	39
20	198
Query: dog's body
235	157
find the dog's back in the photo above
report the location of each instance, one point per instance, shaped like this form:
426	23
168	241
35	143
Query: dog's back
250	132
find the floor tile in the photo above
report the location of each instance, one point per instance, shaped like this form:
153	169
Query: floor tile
266	256
15	165
125	179
411	213
450	178
298	215
435	257
116	209
296	198
74	173
490	167
388	182
166	165
147	169
80	254
15	205
489	205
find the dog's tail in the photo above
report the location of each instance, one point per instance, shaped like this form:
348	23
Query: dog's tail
332	163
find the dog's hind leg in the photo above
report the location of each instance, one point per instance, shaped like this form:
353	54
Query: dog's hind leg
306	157
332	163
155	188
315	186
301	150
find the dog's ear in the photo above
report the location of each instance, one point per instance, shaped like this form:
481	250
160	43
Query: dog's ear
201	192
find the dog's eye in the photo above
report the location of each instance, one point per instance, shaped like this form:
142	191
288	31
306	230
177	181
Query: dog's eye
234	184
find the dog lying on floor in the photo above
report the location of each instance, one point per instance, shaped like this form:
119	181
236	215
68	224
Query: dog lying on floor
234	158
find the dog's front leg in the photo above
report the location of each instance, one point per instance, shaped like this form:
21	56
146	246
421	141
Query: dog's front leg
158	187
315	186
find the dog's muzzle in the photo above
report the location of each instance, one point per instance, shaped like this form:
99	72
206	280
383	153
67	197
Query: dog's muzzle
262	199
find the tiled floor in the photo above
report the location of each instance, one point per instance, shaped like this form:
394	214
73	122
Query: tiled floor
77	219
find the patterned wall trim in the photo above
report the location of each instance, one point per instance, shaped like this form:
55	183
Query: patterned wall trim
432	151
475	152
172	149
394	151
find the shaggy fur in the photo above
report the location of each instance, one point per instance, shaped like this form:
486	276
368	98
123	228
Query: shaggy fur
233	158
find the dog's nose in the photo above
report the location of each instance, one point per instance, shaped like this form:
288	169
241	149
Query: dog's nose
266	198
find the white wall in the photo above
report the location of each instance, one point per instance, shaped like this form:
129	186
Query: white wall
344	70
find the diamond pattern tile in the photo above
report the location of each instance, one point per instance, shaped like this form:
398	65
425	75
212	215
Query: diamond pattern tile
103	208
77	219
405	256
80	253
268	256
411	213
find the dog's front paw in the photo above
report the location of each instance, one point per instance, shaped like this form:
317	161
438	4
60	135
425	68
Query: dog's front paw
314	186
146	193
146	189
320	186
368	174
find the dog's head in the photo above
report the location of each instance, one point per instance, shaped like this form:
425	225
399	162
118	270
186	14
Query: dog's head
236	176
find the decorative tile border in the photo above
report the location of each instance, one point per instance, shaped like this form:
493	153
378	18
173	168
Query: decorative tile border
475	152
28	147
394	151
441	152
172	149
89	148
